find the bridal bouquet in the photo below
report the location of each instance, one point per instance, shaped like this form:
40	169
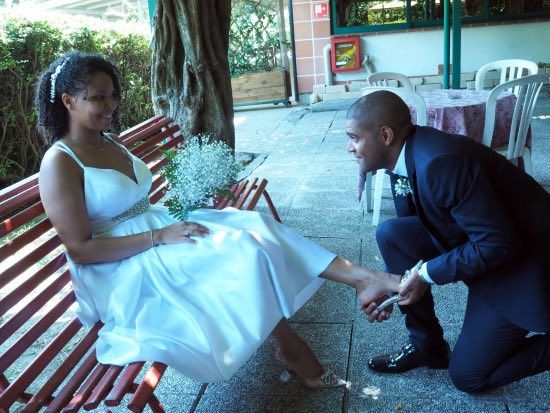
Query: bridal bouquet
199	170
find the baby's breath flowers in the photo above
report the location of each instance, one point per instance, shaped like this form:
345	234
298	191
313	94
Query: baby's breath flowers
197	171
402	187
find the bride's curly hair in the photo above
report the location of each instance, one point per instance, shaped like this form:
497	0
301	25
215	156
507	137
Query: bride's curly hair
69	74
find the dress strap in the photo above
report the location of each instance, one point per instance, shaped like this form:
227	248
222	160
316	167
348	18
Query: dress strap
62	147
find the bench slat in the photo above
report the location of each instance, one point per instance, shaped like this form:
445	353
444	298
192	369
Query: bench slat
86	389
13	324
29	260
25	238
24	379
140	126
123	384
72	384
235	188
30	336
18	187
103	387
42	396
146	132
271	206
147	387
11	204
20	292
257	194
245	196
22	218
147	145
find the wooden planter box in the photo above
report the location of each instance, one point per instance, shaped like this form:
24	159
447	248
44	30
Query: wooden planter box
261	87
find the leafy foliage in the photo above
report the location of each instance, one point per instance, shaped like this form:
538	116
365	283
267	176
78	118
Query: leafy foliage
254	37
27	47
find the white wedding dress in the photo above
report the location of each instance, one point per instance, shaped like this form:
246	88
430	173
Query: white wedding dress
202	309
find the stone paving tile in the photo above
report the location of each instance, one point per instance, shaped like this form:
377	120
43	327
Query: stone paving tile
530	389
334	200
260	375
526	407
367	403
314	223
173	401
370	340
330	182
334	302
325	401
338	168
332	155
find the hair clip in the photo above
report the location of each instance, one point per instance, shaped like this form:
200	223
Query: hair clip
53	78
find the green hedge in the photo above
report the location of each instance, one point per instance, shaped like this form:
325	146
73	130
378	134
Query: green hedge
28	47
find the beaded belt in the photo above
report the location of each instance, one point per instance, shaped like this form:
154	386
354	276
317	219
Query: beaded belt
139	208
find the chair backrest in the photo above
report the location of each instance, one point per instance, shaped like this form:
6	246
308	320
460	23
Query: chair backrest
510	69
409	96
389	79
528	91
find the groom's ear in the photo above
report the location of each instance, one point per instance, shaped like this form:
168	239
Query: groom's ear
386	135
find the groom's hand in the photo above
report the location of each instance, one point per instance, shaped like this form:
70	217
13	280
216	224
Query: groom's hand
413	288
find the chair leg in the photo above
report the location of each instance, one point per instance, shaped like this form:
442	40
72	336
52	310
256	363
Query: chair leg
527	161
368	191
378	186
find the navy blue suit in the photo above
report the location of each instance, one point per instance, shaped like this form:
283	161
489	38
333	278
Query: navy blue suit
476	218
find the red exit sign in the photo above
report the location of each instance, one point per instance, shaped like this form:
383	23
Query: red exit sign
320	10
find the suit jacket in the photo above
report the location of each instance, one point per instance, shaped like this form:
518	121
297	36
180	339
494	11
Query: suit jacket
490	221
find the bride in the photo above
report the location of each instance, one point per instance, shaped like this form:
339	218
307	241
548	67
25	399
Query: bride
200	296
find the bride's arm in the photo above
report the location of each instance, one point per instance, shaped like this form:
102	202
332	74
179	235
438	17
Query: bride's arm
61	190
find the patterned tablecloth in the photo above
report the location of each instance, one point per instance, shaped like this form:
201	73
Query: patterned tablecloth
463	112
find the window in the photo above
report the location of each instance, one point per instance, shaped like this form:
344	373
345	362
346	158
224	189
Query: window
511	7
371	13
355	16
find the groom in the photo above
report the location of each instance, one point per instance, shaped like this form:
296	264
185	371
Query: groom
474	218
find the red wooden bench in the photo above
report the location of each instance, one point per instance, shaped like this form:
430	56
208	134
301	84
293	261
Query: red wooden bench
47	359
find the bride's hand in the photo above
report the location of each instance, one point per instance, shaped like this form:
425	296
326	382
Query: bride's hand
180	232
373	288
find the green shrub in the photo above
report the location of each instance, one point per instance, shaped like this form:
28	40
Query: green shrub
27	47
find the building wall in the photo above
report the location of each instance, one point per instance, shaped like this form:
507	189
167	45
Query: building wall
416	52
311	35
420	52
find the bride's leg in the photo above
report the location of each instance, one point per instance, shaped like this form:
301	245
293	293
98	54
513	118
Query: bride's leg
370	285
296	351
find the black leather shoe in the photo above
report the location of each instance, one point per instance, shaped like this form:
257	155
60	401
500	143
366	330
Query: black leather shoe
409	358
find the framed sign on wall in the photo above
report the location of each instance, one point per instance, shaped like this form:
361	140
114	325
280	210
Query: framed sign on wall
345	53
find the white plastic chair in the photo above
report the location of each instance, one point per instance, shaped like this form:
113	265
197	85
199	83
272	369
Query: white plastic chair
510	69
528	91
385	79
411	97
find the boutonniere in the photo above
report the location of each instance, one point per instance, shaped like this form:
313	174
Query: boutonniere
402	187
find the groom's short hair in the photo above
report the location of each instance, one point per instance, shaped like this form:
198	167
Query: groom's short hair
380	108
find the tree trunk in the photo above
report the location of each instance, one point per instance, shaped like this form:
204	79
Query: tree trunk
190	71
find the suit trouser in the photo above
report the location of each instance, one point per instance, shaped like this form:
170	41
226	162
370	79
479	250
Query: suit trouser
490	351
